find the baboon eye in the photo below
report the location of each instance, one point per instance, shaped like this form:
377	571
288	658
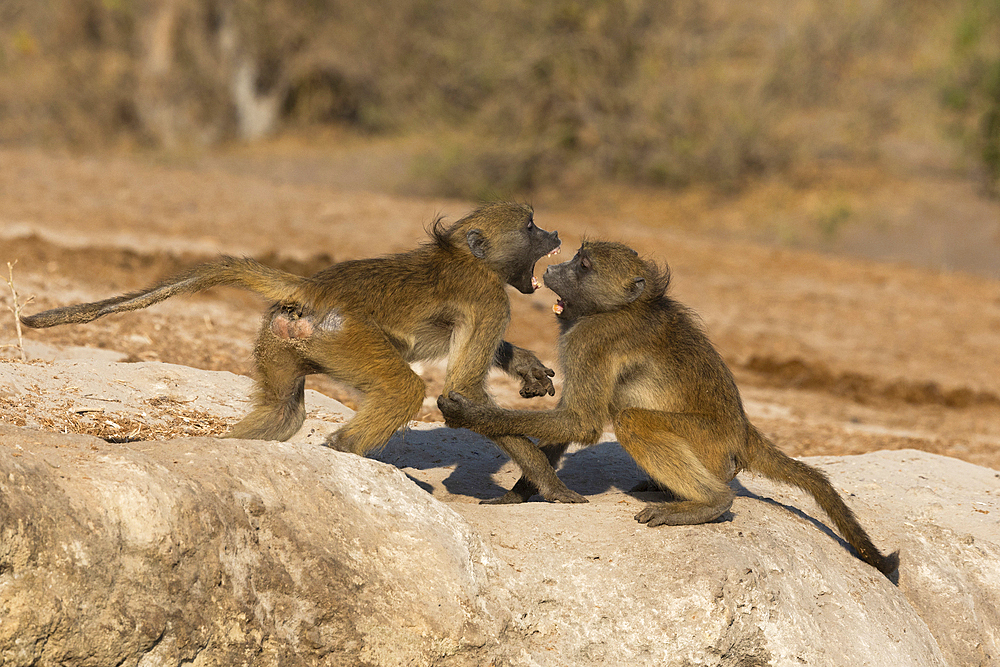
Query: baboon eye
585	263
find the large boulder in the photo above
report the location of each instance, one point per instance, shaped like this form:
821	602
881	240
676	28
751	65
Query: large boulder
232	552
204	551
770	583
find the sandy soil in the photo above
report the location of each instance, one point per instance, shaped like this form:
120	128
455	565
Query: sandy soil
834	354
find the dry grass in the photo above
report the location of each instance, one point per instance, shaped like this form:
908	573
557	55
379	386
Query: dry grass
162	420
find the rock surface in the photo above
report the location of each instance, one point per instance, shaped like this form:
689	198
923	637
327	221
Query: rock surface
231	552
204	551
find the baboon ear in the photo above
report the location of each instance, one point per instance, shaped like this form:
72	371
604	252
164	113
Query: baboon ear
636	288
478	243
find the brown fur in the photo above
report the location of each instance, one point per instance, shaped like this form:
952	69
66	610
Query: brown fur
637	359
363	322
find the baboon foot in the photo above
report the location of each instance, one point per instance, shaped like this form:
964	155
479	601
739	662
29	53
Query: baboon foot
682	513
564	495
340	441
655	515
513	498
521	493
510	498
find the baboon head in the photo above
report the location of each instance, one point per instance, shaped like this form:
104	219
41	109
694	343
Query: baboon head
602	276
505	237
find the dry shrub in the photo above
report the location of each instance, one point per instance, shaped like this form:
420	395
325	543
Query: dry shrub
971	91
519	93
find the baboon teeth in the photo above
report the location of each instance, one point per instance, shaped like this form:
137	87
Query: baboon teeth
554	252
557	307
534	283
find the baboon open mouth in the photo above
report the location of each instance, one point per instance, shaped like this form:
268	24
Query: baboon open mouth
558	306
534	281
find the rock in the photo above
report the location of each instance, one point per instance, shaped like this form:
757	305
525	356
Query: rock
770	583
53	394
206	551
36	350
232	552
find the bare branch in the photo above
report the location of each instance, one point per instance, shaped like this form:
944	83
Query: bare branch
16	309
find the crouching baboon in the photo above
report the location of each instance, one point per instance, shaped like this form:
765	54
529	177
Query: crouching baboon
363	321
634	357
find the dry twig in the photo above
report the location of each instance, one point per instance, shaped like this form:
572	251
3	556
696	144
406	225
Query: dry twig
16	309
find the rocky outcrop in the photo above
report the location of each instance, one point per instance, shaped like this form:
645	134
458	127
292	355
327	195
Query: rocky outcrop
232	552
204	551
768	584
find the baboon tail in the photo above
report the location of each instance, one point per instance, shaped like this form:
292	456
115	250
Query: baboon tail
272	284
768	460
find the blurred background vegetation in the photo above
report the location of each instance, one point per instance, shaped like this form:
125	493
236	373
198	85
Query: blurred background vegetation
520	94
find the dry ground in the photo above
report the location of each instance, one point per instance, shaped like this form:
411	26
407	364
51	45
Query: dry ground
835	354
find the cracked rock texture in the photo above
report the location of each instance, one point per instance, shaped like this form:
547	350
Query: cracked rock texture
204	551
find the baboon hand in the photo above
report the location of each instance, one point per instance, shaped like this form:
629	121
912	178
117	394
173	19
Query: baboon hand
519	362
457	409
536	378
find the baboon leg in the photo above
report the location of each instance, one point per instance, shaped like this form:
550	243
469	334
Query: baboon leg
363	358
537	470
664	445
523	489
385	409
279	394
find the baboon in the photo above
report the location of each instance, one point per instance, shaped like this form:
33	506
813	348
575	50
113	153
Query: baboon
636	358
363	321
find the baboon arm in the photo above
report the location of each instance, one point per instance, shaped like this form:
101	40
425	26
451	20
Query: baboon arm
580	416
558	425
519	362
472	352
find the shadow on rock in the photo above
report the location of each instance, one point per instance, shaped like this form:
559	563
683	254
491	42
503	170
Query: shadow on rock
474	460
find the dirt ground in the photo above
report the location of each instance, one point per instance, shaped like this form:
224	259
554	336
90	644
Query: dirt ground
843	351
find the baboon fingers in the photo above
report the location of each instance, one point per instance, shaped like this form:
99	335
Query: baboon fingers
533	388
537	381
535	376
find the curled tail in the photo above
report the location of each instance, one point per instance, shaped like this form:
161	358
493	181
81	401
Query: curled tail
768	460
272	284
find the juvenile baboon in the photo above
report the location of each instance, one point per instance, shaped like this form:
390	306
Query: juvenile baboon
634	357
363	321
